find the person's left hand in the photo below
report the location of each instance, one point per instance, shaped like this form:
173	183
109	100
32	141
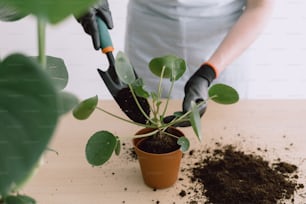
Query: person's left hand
89	21
196	89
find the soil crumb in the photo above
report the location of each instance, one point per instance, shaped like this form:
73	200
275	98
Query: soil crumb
229	176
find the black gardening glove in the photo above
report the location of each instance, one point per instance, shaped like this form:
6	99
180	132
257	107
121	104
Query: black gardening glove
196	89
89	21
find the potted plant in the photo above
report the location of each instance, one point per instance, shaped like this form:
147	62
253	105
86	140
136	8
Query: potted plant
31	97
157	142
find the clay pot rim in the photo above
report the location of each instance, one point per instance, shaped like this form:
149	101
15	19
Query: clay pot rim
136	141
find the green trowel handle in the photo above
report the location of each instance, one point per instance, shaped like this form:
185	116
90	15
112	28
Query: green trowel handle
106	44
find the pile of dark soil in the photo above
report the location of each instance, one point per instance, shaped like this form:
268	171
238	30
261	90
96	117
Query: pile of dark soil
229	176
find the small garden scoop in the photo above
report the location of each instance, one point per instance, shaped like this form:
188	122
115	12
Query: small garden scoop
120	91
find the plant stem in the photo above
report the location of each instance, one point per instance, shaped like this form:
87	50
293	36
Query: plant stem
154	107
183	117
146	134
160	82
41	32
168	98
159	93
214	96
139	106
178	120
171	135
123	119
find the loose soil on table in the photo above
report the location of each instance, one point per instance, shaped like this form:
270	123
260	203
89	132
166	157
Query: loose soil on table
225	175
228	176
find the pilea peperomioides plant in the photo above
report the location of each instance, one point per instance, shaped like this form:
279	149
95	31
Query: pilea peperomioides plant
102	144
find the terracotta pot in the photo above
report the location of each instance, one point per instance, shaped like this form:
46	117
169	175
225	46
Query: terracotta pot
158	170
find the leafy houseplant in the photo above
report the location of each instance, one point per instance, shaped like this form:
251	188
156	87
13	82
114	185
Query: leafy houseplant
157	133
31	96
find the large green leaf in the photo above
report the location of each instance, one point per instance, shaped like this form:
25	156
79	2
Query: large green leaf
19	199
67	102
124	69
84	109
7	13
52	10
100	147
174	66
28	116
57	70
58	73
223	94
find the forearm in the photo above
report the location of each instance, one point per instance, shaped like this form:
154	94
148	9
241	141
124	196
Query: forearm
243	33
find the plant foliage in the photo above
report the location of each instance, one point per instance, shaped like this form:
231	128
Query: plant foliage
101	145
28	116
31	97
54	11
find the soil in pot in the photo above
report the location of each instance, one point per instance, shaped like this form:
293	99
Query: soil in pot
159	144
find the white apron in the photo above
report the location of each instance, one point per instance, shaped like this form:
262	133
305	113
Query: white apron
191	29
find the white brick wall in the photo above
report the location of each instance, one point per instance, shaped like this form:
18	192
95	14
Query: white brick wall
280	52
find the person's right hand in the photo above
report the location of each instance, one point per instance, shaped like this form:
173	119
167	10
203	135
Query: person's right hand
89	21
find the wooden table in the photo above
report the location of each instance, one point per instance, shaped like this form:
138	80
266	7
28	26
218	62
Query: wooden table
66	178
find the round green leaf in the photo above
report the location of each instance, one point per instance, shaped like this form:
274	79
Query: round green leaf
7	13
85	108
184	143
66	102
174	67
57	69
100	147
19	199
28	116
138	87
223	94
52	10
124	69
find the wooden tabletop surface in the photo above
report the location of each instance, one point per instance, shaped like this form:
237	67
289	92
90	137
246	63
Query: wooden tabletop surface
278	126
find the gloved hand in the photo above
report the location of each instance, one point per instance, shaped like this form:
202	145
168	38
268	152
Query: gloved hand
196	89
89	21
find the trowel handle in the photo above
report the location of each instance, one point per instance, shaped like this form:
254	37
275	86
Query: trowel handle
106	44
